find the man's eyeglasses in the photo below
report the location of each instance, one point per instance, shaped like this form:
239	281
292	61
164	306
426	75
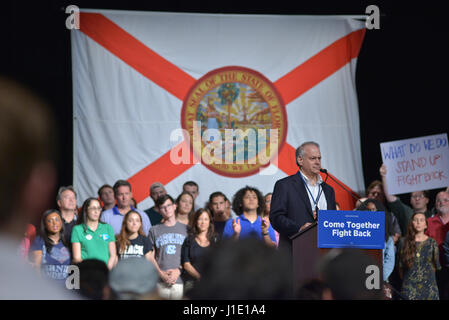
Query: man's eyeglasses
165	207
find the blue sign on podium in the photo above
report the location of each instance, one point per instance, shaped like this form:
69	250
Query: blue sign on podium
351	229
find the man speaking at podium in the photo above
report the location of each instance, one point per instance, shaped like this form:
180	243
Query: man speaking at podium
297	199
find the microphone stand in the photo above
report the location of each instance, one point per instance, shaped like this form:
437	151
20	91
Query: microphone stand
343	187
319	195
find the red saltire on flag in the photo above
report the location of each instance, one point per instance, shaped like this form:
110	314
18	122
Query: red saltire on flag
130	55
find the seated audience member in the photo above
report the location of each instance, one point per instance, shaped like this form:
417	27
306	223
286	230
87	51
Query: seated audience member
201	237
389	252
184	207
94	280
375	191
418	200
166	241
344	275
132	242
134	279
245	270
66	200
217	206
192	188
91	238
50	252
114	216
157	190
418	261
437	228
313	289
106	195
28	178
249	204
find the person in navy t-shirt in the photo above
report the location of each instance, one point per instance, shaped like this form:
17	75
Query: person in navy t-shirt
132	242
49	251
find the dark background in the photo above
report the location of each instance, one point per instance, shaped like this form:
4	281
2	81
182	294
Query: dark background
401	70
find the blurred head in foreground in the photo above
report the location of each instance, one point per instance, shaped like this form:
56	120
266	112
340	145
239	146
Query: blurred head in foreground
247	269
350	274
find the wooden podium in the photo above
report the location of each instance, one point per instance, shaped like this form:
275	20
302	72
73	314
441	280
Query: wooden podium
306	255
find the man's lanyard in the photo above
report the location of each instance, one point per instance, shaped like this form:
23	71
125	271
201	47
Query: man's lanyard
320	189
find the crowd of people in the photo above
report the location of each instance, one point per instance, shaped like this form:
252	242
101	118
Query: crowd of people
176	238
112	229
175	249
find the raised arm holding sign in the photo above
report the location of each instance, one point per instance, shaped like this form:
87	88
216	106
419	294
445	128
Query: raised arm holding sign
418	200
416	164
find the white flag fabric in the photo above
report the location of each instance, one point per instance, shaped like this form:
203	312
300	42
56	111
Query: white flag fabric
134	73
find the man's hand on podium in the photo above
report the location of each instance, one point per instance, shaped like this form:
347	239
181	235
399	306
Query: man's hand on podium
305	226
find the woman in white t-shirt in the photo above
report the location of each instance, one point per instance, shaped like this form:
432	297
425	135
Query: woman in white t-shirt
132	242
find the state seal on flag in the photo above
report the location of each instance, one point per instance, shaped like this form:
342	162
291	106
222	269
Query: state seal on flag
234	120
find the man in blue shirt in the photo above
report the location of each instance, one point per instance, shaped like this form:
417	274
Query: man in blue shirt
114	216
249	204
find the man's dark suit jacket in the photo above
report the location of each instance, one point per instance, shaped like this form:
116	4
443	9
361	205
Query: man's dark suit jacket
291	209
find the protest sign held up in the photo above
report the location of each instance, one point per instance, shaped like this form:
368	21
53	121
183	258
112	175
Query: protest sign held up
416	164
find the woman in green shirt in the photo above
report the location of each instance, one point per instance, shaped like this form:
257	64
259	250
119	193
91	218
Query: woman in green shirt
91	238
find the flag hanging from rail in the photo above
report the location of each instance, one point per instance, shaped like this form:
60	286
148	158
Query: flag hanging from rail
223	100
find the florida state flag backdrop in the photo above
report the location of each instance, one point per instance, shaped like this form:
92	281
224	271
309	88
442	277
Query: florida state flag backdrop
223	100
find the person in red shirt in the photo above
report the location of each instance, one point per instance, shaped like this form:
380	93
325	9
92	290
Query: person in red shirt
438	227
438	224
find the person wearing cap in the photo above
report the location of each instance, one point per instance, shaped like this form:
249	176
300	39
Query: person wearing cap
134	279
